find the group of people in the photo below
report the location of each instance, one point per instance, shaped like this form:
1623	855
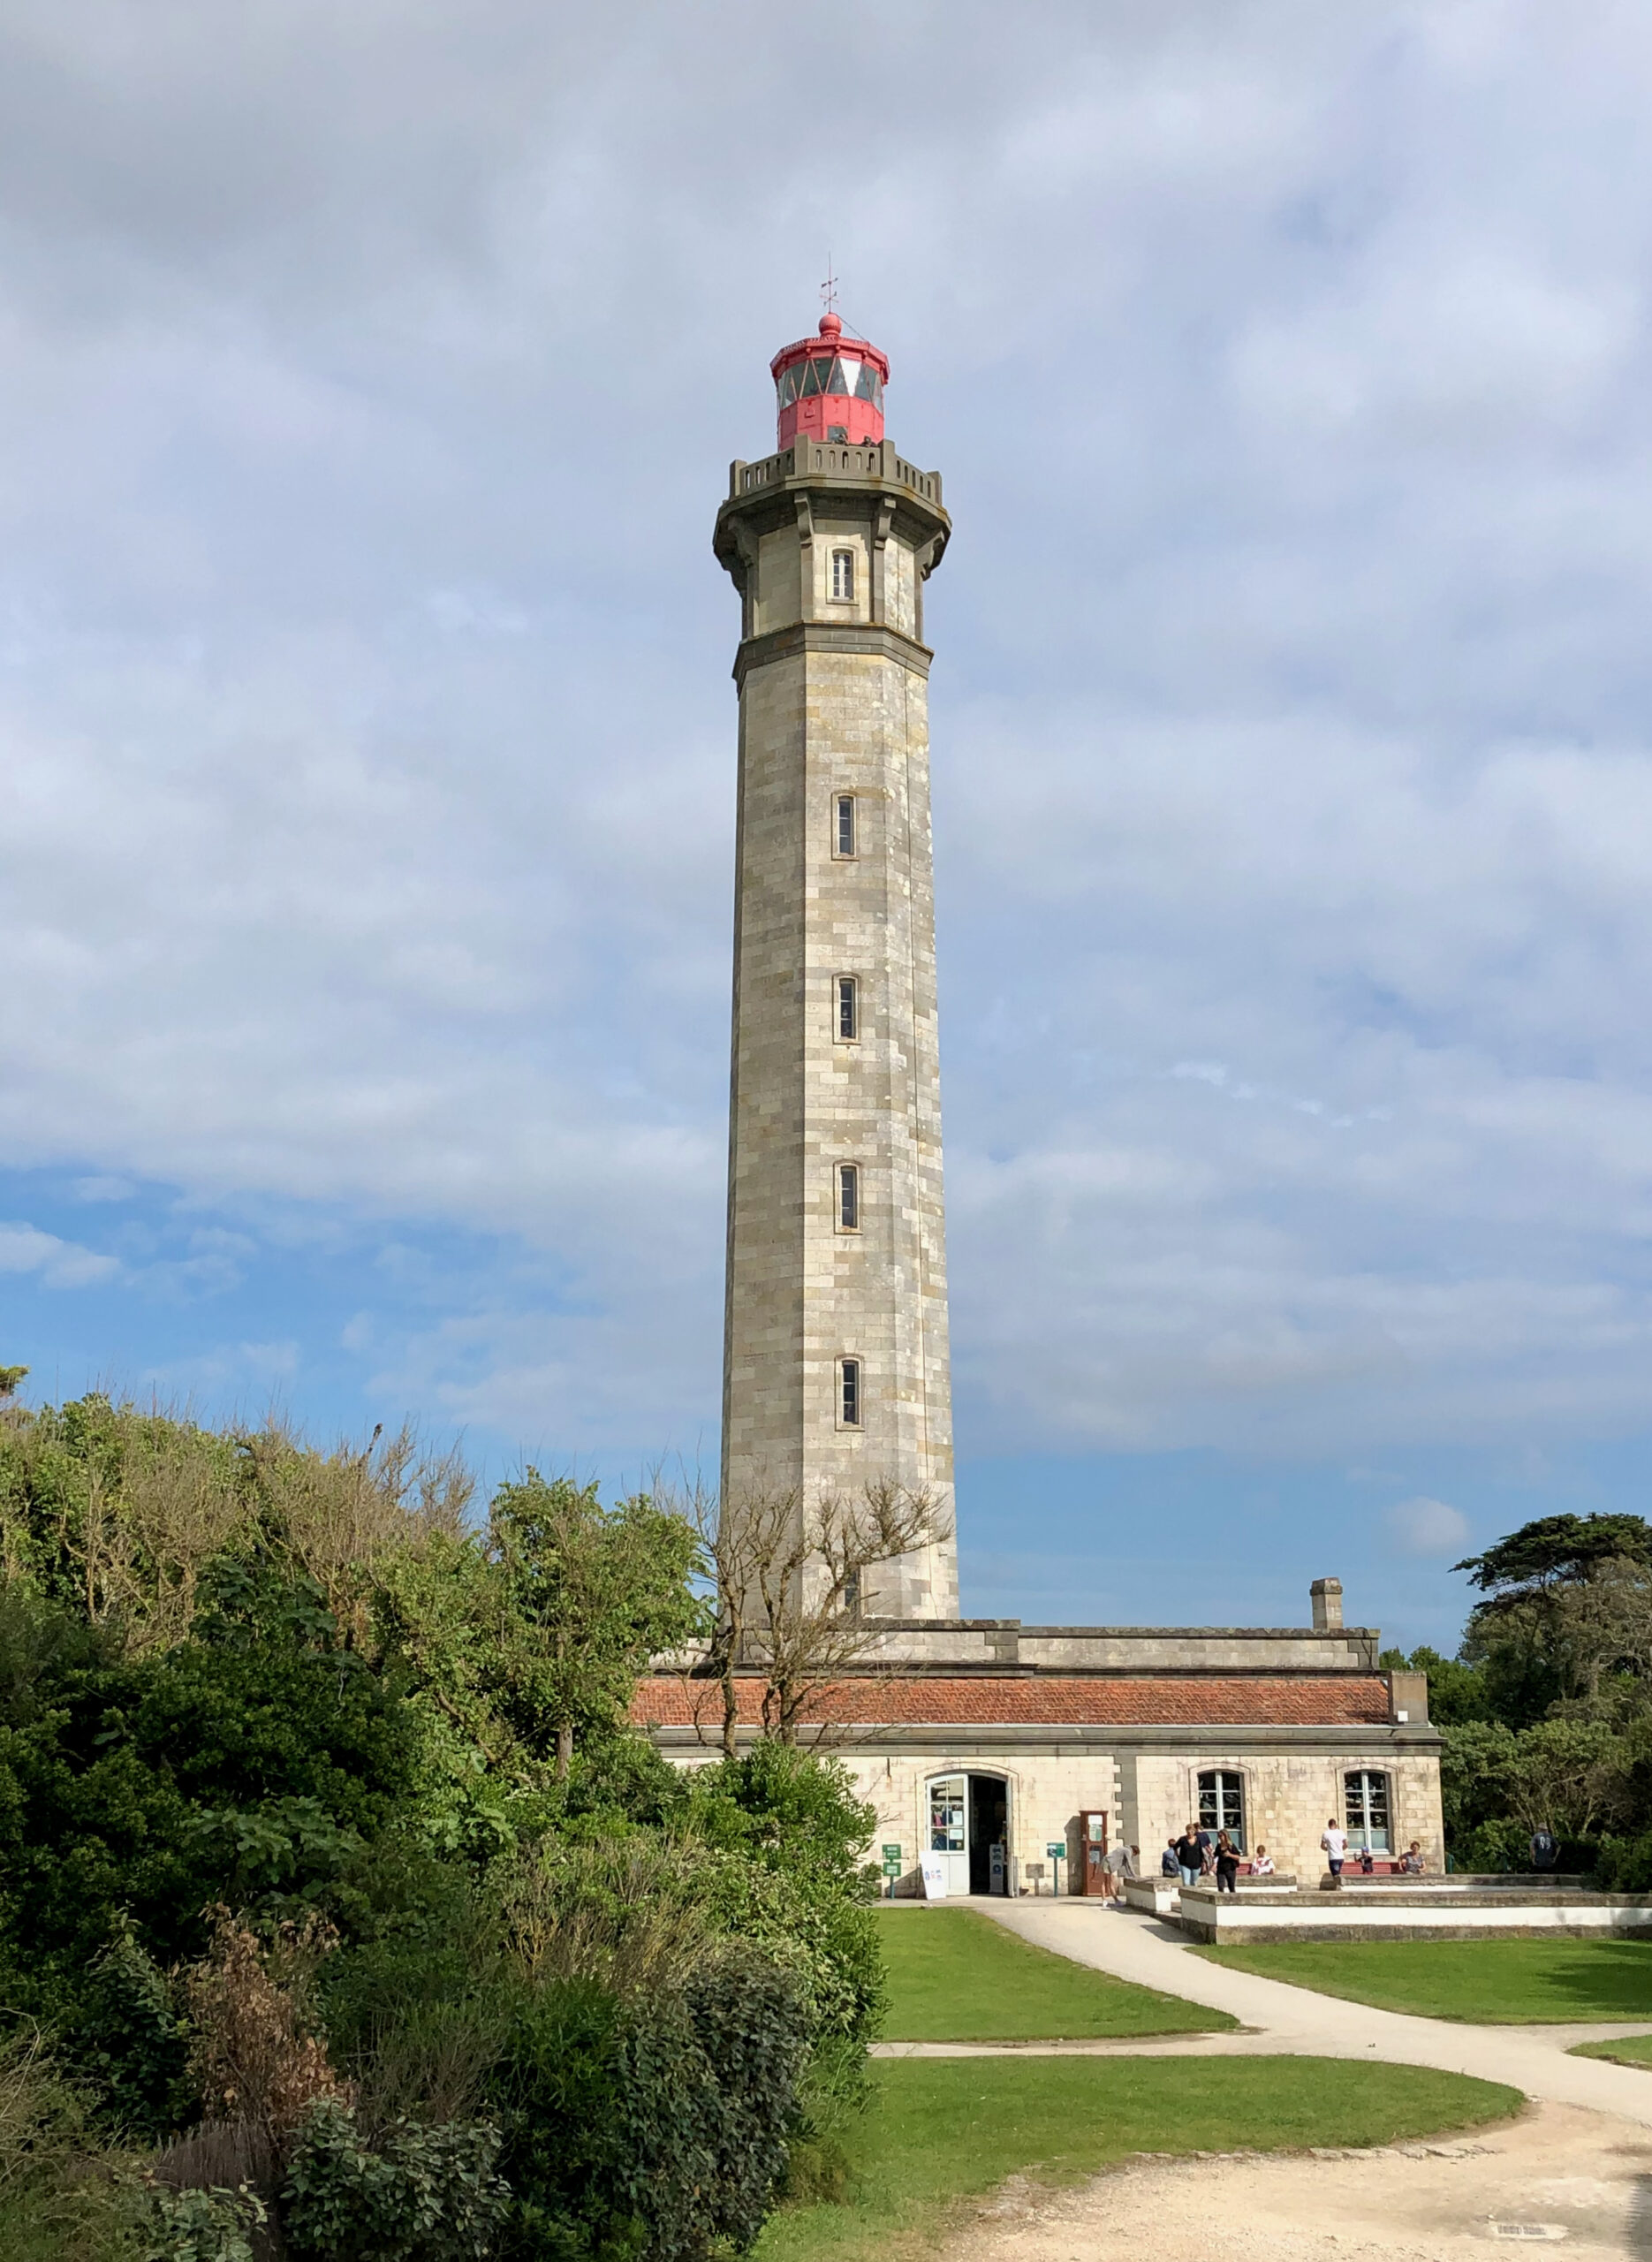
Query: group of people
1199	1854
1334	1844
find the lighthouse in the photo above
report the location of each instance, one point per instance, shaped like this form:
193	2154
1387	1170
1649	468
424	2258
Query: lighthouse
836	1364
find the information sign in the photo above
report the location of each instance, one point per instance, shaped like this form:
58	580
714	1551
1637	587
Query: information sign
1056	1852
892	1862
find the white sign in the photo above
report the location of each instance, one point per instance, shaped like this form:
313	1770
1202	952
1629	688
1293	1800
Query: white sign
934	1867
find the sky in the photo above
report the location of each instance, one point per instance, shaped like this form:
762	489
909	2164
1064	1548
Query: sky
369	379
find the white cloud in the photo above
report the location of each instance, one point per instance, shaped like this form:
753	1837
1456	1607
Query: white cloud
1425	1527
366	826
58	1264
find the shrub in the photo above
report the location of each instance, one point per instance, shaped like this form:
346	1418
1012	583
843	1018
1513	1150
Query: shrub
421	2195
251	2053
205	2226
657	2126
130	2040
63	2196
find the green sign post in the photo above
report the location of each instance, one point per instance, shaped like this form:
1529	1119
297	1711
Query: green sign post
1057	1854
892	1864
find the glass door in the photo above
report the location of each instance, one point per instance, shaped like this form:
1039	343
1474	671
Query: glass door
948	1828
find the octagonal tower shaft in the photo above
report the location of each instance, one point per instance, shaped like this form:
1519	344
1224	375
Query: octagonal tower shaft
835	1362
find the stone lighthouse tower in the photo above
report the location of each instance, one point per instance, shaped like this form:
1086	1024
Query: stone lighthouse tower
835	1367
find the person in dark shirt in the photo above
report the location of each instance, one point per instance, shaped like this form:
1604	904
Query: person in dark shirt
1227	1862
1169	1866
1190	1855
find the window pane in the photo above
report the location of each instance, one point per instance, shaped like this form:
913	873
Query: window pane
833	381
848	1018
1222	1804
849	371
866	383
946	1817
786	387
849	1197
845	824
850	1372
811	379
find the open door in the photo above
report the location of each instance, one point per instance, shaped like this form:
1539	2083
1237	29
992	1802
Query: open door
949	1829
1093	1853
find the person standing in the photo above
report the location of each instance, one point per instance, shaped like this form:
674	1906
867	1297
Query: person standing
1170	1865
1190	1855
1335	1843
1227	1862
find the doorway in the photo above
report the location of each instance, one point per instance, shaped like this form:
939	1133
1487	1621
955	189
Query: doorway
968	1829
989	1835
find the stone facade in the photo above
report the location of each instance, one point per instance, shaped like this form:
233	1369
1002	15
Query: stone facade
828	547
1142	1773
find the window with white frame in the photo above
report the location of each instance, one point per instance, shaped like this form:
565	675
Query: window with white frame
1364	1801
1222	1804
848	1009
849	1395
842	832
848	1197
843	576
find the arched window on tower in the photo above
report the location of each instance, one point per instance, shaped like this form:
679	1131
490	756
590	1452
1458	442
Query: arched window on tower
848	1009
849	1408
843	574
848	1197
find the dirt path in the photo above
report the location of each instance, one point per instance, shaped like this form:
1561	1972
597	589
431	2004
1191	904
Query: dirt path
1560	2173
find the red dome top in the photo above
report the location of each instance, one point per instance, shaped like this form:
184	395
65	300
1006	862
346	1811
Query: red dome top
831	386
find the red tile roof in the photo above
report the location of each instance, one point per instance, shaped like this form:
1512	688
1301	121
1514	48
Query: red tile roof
1229	1700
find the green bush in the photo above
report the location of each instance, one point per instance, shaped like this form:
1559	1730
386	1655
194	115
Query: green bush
418	2195
656	2127
205	2226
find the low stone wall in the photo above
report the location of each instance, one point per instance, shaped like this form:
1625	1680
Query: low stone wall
1156	1896
1374	1909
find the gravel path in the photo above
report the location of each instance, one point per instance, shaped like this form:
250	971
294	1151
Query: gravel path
1557	2175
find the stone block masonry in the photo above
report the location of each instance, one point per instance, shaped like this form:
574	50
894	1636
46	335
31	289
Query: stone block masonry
835	1059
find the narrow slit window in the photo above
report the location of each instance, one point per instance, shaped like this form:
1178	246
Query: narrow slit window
842	572
845	824
848	1009
849	1393
849	1197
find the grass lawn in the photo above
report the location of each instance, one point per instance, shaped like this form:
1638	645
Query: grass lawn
954	1976
1627	2050
1493	1983
946	2130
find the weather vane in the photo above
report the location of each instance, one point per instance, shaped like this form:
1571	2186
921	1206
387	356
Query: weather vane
829	288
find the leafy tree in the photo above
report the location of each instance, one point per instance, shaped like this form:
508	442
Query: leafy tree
1555	1550
1457	1691
592	1594
247	1765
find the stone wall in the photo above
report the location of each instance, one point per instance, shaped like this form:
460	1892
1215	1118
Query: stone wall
1146	1793
833	702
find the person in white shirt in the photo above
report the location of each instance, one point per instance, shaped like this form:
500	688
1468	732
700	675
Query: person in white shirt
1261	1864
1335	1843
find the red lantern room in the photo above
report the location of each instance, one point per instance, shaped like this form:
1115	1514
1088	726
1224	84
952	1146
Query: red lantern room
831	387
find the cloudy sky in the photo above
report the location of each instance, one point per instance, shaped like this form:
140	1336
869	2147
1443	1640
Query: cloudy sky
368	383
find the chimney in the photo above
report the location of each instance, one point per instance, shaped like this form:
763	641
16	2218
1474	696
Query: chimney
1325	1594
